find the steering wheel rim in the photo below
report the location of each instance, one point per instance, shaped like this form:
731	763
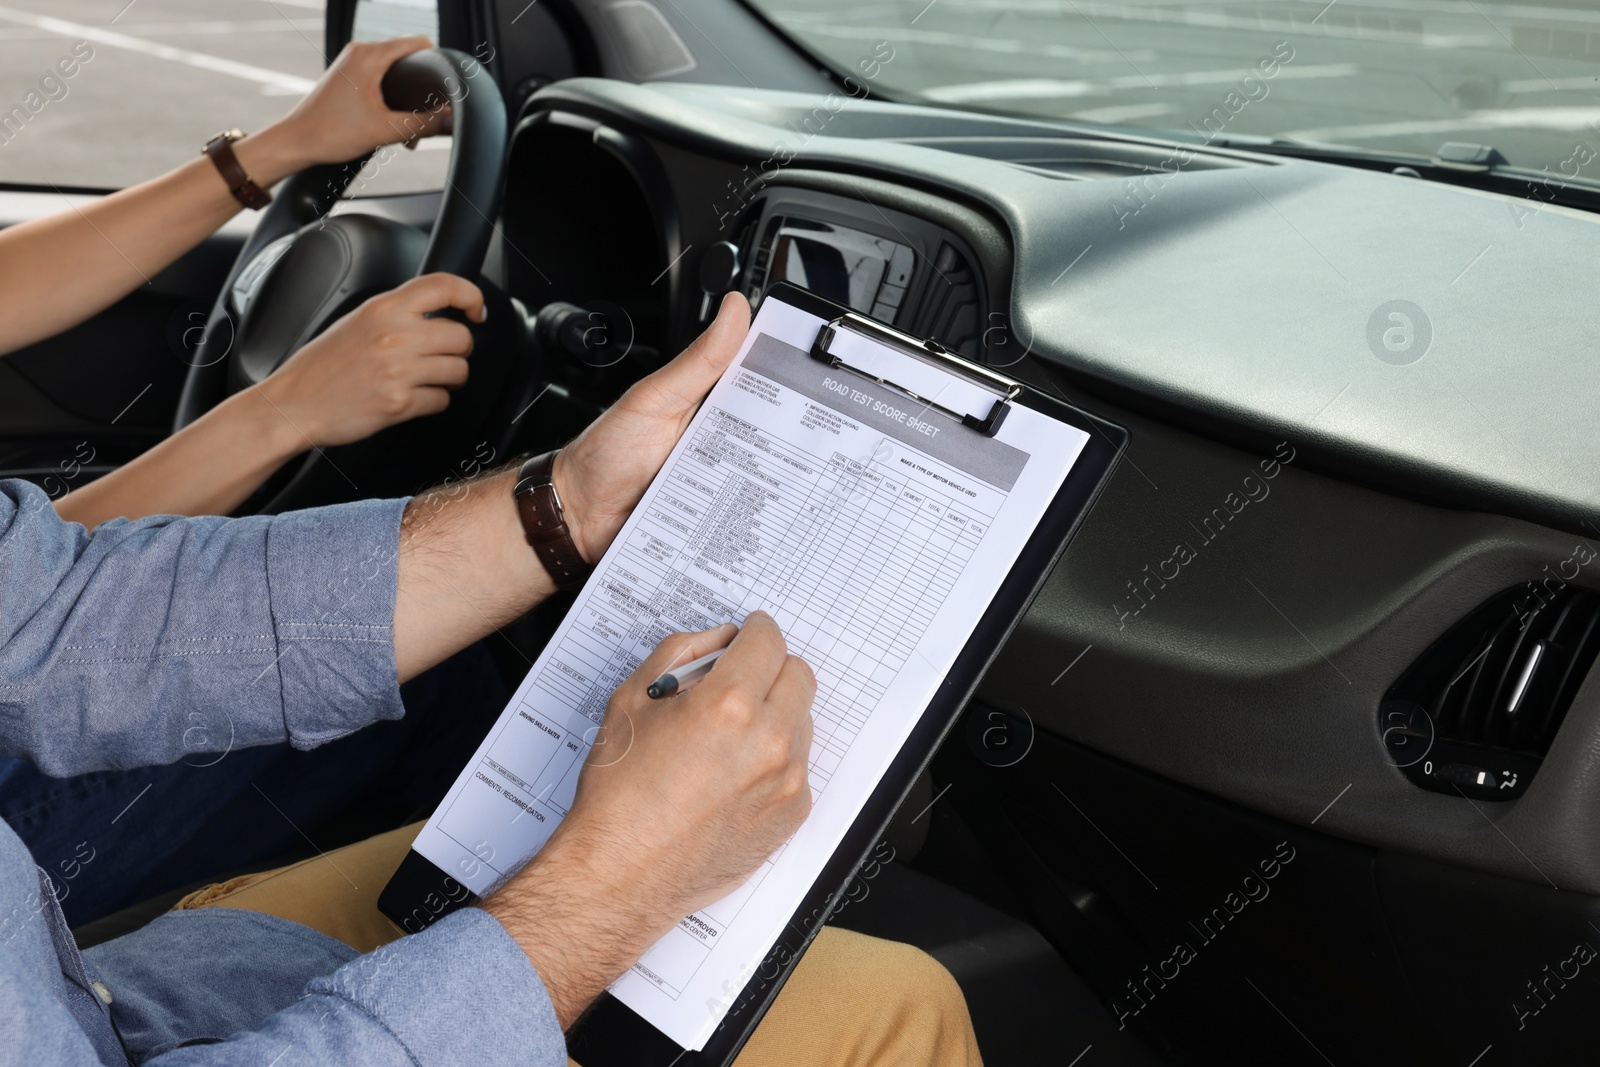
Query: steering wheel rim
462	228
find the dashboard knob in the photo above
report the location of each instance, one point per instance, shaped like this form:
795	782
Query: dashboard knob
598	333
719	268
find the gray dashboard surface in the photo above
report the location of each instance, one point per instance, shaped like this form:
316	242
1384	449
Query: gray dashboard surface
1256	672
1243	298
1237	301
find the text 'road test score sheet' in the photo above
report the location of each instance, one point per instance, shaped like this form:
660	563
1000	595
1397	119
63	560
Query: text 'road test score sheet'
873	529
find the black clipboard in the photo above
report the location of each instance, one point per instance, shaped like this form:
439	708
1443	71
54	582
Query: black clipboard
611	1034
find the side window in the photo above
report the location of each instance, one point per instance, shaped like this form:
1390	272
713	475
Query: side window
396	169
97	95
379	20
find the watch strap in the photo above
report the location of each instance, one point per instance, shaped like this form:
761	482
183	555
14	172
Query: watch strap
244	189
544	524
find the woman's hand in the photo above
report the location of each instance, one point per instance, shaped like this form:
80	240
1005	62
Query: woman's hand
382	364
343	117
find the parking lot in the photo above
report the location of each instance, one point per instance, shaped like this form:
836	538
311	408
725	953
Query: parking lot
165	75
1403	74
1406	75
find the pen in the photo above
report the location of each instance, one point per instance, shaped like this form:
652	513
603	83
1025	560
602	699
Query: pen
681	678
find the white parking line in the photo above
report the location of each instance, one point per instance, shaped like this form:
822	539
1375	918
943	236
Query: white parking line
1587	82
1471	9
1173	15
198	60
1228	15
969	43
184	29
1012	89
1044	88
1505	118
1232	16
1124	113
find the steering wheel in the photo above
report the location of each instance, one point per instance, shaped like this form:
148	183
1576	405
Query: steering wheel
303	268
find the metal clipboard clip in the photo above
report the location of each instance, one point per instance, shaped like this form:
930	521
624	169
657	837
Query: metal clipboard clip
930	352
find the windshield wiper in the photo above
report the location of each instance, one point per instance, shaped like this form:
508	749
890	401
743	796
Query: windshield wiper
1478	166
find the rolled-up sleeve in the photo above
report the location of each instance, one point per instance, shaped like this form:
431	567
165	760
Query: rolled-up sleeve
147	640
462	991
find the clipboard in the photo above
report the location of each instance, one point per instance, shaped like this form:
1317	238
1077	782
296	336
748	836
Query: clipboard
611	1034
928	351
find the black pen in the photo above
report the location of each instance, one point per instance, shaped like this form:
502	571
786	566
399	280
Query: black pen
677	680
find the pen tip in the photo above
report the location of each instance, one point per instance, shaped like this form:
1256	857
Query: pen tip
654	690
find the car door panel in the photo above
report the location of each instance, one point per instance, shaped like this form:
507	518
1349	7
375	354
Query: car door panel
107	387
78	404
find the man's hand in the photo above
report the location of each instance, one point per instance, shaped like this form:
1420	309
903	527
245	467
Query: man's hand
344	115
681	799
694	791
601	475
465	564
382	364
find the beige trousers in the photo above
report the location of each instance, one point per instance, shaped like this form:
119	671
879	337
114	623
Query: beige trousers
852	1001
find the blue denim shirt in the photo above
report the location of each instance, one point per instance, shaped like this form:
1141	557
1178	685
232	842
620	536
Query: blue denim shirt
149	640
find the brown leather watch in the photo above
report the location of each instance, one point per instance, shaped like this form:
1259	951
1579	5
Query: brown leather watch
545	525
240	184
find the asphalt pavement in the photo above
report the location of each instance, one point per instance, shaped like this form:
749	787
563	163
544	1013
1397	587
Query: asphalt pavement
1398	74
1403	75
162	77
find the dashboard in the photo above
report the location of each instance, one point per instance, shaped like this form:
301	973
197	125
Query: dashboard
1225	313
847	265
893	266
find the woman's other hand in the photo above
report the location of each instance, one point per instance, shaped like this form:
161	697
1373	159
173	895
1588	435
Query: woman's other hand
383	363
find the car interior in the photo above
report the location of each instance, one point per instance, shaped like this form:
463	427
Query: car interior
1296	756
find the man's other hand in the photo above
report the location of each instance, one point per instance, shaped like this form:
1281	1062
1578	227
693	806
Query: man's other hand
697	789
680	800
382	364
601	475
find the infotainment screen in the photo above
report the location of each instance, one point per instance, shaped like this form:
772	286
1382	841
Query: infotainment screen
863	271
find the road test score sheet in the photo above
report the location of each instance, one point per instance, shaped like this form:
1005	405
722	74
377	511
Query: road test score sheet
874	529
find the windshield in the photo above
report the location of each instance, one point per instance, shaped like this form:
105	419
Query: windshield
1375	75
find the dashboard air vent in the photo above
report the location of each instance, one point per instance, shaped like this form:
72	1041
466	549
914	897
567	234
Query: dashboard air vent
1476	713
950	311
